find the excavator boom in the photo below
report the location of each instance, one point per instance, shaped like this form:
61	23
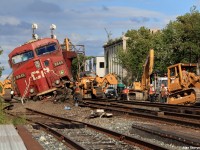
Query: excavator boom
140	89
147	71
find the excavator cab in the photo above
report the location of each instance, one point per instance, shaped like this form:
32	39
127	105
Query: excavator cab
178	76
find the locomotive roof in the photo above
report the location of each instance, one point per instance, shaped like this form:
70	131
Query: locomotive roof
32	44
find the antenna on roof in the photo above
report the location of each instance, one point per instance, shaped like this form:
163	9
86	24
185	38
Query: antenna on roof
52	27
34	27
108	34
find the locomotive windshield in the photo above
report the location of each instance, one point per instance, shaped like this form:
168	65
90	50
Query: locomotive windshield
22	57
46	49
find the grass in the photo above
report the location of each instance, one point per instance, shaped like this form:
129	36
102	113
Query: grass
5	119
19	120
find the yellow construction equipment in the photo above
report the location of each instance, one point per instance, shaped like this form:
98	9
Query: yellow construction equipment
139	91
183	84
95	86
104	82
6	89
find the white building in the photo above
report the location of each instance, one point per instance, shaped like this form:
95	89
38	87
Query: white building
97	65
111	62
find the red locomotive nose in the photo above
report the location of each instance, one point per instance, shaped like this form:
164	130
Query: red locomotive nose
42	67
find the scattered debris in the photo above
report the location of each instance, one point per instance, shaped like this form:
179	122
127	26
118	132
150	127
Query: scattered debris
67	108
100	113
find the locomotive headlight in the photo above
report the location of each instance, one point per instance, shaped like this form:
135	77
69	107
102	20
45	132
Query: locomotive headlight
37	64
57	82
32	90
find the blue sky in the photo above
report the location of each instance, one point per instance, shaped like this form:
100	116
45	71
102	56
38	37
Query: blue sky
83	21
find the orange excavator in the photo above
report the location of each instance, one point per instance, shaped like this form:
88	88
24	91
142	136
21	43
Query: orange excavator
94	86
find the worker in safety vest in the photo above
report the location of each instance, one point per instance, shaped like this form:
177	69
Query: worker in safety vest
151	93
163	94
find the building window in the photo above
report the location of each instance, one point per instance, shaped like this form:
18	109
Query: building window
101	64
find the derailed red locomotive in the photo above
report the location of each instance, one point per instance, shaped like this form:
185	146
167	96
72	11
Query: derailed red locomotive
41	69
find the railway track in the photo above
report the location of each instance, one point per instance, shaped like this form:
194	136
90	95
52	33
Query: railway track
183	119
186	120
81	135
188	109
70	130
169	135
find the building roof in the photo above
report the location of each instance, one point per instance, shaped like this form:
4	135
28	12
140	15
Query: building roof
115	41
112	42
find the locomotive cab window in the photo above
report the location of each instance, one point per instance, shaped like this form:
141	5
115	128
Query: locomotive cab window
22	57
46	49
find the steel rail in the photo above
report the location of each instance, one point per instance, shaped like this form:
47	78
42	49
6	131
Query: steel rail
67	141
155	112
113	134
145	115
180	138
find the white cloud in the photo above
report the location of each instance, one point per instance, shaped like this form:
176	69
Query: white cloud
9	20
76	38
4	60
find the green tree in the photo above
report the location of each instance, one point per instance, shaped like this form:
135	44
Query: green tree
138	46
78	65
161	55
181	38
177	42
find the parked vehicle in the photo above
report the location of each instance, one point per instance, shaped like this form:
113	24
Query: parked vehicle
111	92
